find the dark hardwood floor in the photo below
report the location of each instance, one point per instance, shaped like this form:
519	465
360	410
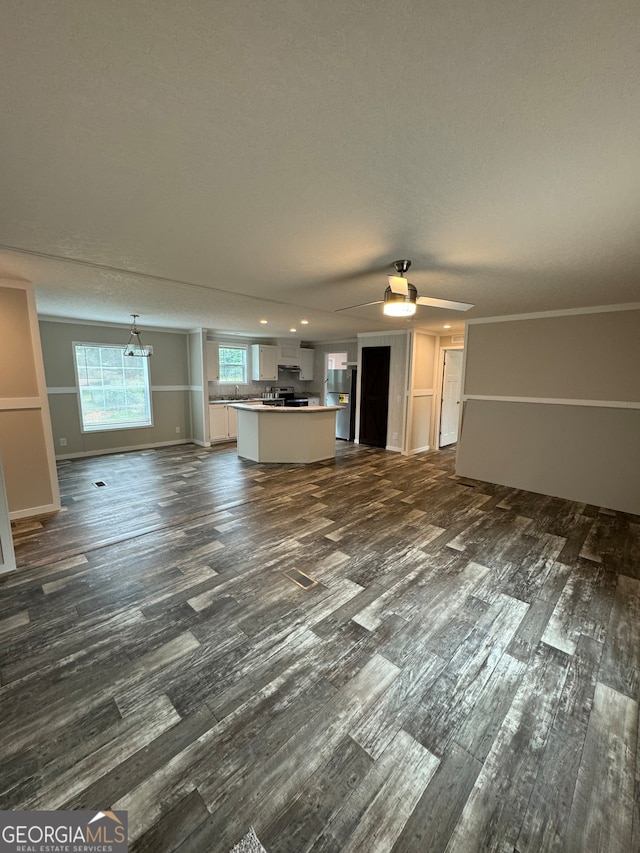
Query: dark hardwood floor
462	677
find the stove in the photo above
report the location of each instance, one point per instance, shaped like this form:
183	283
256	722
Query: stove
285	396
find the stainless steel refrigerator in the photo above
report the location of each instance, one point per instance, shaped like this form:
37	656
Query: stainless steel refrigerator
341	391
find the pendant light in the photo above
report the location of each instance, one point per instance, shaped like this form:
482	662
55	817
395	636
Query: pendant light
135	346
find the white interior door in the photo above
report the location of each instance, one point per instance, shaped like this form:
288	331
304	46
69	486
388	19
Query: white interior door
451	390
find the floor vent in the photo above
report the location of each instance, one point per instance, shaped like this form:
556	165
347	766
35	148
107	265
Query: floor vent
300	578
99	483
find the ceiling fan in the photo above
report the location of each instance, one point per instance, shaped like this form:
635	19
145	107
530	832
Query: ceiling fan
401	297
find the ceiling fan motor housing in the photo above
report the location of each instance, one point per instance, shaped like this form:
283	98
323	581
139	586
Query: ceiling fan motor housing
402	266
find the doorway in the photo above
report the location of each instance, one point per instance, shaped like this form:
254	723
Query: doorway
451	391
374	391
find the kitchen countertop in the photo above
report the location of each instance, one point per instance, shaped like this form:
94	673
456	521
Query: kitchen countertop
248	407
227	400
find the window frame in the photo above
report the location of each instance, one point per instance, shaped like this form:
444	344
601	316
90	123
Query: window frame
245	366
110	427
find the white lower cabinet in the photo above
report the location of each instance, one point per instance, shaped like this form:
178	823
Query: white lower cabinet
222	422
232	422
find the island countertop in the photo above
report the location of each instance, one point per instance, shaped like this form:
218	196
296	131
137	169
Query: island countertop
286	437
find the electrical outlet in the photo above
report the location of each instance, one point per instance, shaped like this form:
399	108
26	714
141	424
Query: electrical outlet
395	436
63	442
177	430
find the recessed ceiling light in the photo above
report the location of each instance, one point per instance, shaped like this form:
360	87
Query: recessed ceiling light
446	326
264	321
293	330
304	322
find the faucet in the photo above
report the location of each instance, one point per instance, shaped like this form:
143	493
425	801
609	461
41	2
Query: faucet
237	387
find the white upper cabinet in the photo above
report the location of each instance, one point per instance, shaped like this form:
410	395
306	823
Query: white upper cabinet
289	354
264	362
306	363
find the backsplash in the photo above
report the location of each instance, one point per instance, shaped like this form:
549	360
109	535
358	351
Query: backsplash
256	389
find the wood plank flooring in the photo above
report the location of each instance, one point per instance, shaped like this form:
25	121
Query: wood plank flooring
464	676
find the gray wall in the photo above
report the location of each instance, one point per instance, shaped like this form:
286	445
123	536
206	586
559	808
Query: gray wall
577	357
552	405
169	384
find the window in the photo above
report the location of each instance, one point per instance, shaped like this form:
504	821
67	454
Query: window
232	362
113	389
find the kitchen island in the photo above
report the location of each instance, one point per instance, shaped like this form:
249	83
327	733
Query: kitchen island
286	434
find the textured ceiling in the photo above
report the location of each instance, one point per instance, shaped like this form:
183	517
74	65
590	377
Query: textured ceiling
209	163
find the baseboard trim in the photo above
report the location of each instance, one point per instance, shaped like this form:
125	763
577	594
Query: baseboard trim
112	450
32	511
393	449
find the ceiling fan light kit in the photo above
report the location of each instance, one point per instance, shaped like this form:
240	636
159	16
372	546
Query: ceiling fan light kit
399	305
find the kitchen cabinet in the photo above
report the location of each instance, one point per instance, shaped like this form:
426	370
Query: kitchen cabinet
264	362
222	422
289	354
306	363
232	422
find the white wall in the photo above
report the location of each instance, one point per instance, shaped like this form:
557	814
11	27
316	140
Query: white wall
196	343
421	391
319	362
552	405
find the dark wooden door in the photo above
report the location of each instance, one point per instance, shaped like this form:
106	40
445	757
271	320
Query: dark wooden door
374	399
352	410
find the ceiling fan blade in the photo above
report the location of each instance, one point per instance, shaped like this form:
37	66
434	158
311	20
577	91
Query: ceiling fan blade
398	284
362	305
443	303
